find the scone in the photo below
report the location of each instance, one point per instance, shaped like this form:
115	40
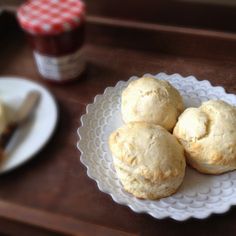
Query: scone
3	124
208	134
3	119
153	101
149	161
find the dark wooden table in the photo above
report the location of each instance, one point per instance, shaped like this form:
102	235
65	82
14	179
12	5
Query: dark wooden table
53	188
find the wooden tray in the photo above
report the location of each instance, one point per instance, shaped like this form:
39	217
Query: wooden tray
52	193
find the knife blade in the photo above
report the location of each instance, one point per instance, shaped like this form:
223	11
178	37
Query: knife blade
21	116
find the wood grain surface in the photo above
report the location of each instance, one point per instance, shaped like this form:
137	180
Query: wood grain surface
171	12
54	222
194	14
55	181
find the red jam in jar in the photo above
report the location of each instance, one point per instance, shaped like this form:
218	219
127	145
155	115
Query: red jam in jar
55	29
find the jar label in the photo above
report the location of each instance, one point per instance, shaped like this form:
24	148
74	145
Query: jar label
59	68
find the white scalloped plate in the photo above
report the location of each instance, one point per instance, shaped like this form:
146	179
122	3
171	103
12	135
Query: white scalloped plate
199	196
33	136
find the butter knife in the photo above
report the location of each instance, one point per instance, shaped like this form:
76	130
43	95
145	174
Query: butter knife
22	115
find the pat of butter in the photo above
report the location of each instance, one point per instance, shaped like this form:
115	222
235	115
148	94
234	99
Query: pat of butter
3	119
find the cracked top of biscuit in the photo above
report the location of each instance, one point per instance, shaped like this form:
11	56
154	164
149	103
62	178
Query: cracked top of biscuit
148	151
151	100
208	134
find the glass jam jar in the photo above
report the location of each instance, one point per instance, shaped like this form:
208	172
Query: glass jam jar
55	29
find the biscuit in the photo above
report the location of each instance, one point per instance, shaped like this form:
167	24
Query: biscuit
151	100
208	134
149	161
3	119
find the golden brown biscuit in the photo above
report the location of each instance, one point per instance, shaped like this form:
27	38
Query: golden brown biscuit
148	160
151	100
3	124
208	134
3	119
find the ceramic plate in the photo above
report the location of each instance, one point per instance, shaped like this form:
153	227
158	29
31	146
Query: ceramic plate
199	196
31	137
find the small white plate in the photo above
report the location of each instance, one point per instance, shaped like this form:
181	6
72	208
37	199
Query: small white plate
199	196
32	136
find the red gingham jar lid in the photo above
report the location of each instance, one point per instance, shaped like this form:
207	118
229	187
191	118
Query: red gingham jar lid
50	16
